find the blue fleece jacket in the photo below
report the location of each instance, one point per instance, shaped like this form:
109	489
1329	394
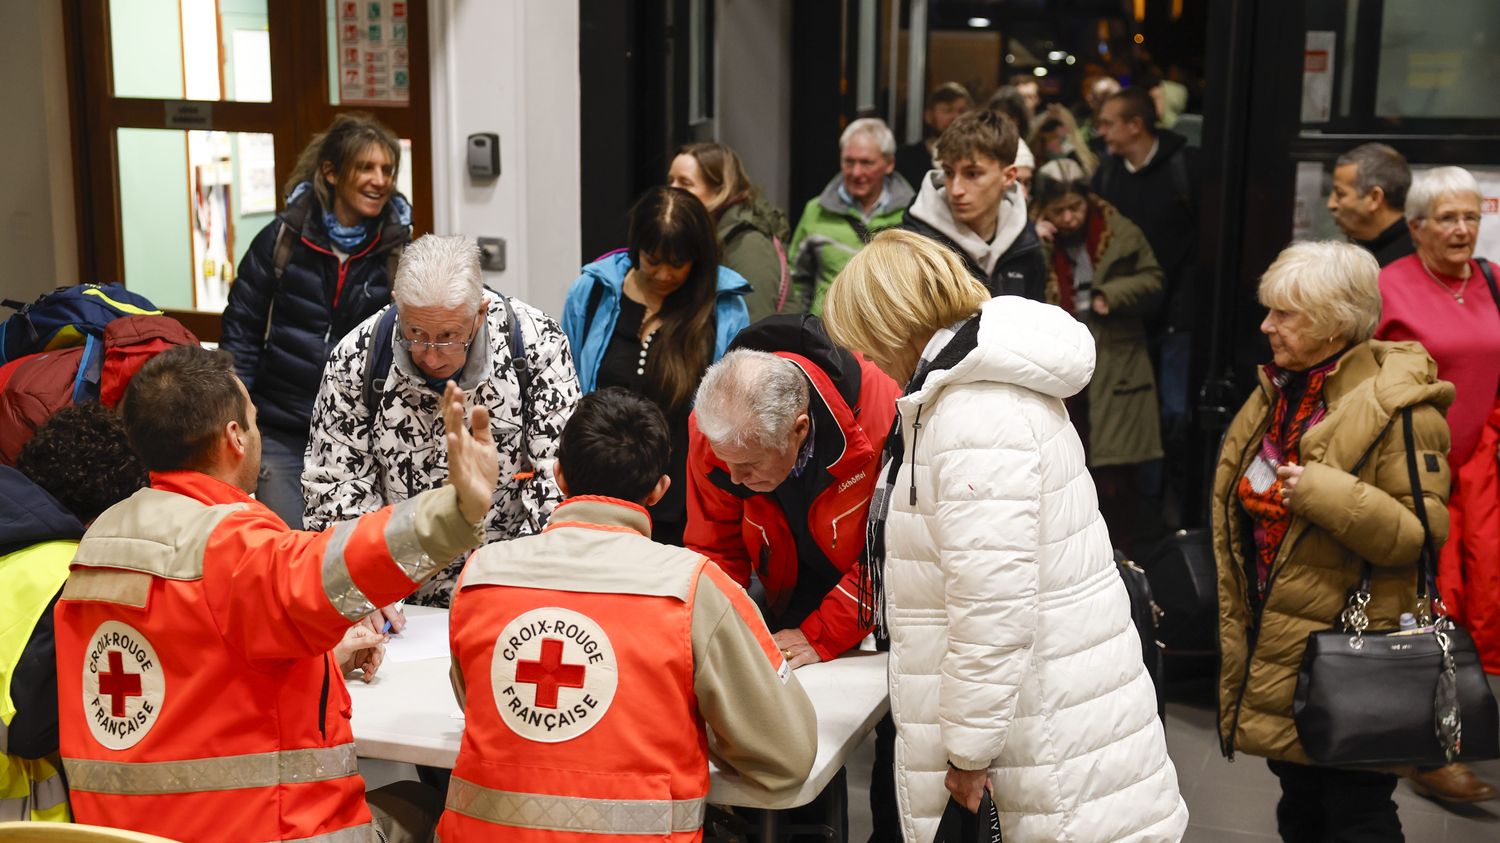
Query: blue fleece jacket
589	338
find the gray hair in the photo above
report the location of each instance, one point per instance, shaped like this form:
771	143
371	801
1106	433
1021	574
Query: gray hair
1378	165
1335	285
873	128
438	271
750	399
1436	183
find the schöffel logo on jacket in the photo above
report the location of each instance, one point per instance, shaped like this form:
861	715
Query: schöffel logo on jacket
844	486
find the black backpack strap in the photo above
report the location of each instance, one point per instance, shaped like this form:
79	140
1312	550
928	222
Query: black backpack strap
1178	171
378	367
1427	559
523	382
1489	280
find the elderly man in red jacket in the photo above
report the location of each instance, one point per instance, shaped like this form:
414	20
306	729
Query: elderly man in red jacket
784	452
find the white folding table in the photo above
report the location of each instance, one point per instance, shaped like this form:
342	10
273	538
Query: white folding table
408	713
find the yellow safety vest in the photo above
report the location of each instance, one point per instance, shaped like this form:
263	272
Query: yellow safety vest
29	789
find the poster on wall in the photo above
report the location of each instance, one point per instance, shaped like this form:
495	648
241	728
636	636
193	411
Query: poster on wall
1317	77
257	156
374	65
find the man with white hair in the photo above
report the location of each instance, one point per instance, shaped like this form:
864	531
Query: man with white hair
866	196
377	435
783	453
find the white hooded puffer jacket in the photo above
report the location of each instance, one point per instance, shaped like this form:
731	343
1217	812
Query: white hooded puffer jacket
1012	646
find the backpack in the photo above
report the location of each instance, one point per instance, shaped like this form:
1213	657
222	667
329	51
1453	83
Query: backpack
66	316
34	387
378	359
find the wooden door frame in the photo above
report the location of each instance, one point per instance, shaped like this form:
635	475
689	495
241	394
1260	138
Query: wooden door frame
299	108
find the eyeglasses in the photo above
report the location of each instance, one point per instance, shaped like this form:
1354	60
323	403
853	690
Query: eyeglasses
1448	222
447	347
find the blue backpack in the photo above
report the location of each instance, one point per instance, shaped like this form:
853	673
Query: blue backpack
66	317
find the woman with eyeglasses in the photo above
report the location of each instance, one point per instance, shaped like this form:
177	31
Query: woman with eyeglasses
1445	297
652	317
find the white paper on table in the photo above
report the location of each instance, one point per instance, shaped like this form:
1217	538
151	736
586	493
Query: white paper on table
425	637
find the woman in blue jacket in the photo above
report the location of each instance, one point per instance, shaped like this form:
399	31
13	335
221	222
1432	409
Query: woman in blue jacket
323	266
653	317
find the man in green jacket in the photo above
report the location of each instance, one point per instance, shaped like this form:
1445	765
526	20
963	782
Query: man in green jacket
866	196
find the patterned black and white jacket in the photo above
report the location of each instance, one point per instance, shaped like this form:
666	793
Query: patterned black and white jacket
352	468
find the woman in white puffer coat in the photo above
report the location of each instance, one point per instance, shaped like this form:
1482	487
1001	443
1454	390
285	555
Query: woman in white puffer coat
1014	664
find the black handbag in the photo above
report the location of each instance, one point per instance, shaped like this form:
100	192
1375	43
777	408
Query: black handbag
1395	698
960	825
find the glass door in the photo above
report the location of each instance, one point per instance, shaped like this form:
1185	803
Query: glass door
192	114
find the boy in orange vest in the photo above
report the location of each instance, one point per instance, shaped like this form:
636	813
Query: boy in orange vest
597	667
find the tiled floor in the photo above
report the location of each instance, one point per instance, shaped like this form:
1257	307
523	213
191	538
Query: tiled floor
1228	803
1236	803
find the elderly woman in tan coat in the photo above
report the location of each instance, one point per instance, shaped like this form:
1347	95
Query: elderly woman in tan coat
1311	480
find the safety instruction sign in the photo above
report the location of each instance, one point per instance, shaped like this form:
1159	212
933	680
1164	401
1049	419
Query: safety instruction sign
374	61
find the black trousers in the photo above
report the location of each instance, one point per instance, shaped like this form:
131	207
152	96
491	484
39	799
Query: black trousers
1326	805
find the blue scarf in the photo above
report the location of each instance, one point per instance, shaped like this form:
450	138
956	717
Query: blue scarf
349	237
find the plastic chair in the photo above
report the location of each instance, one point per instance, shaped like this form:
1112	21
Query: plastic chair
30	832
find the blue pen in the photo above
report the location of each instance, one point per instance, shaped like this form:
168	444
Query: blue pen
386	630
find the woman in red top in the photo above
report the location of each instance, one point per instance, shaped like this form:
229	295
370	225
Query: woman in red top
1441	297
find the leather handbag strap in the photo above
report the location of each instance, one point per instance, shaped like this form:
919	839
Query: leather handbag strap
1419	503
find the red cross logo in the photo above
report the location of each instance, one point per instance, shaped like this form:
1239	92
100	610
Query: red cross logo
547	675
120	686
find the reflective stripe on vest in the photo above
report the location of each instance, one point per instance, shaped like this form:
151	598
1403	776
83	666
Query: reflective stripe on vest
363	833
32	789
234	772
574	813
401	543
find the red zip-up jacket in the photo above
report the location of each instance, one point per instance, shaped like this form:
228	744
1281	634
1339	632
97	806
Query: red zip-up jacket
741	530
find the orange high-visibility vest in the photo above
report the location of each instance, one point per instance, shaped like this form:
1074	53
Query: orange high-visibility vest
581	718
197	696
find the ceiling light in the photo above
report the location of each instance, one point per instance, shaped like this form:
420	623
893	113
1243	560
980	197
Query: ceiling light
1071	60
979	23
1139	38
1056	55
1040	71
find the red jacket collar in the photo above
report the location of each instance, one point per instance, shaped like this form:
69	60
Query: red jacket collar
856	448
199	487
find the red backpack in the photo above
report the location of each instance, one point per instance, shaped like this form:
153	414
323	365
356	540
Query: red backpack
34	387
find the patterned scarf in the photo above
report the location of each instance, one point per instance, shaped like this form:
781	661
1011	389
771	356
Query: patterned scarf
1064	262
1299	406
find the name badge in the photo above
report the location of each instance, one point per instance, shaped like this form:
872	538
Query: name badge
1261	474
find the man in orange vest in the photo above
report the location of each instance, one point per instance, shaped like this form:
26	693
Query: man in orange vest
597	668
198	699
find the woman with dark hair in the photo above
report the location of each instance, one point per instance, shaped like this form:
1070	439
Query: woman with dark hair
320	268
1100	269
652	317
754	233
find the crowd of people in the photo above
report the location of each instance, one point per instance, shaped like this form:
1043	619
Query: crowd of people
932	412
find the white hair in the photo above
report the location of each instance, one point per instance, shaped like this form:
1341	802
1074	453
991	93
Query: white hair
439	271
873	128
1336	285
1430	186
750	399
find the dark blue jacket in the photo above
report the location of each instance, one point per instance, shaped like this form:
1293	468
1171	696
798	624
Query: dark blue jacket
308	310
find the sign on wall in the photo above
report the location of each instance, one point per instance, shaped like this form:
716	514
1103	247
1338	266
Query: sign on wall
374	64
